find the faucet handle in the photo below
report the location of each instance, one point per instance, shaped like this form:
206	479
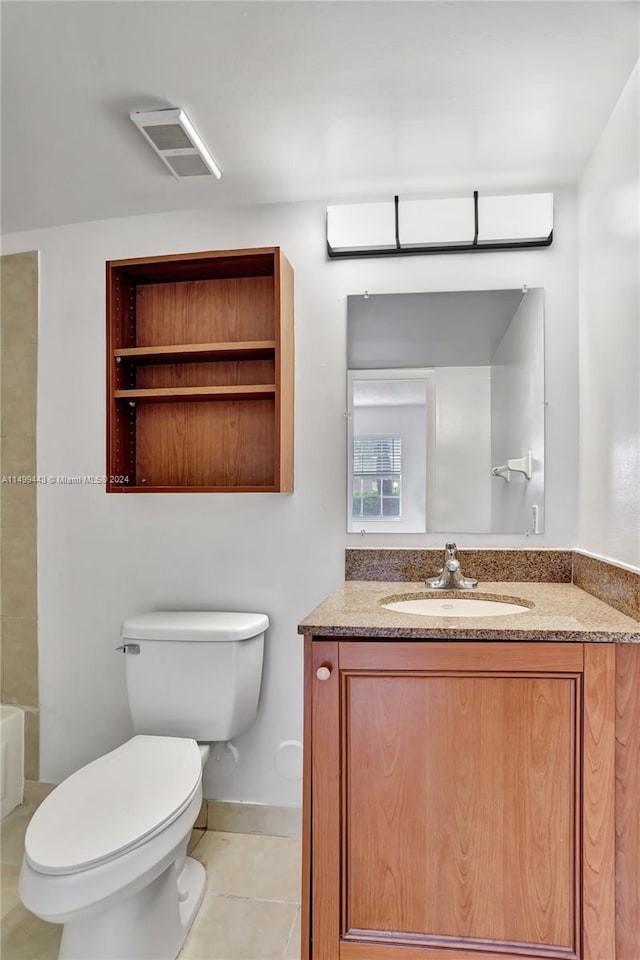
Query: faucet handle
451	575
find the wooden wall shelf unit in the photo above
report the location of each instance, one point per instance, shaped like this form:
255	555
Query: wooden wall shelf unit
200	373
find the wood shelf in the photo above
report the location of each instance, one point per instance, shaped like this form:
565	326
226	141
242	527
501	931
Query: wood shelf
262	391
181	489
197	352
200	376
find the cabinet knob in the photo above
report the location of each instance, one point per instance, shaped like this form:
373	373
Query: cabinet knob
323	673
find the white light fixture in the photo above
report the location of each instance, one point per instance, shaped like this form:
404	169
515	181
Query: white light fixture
177	142
362	226
511	219
441	222
453	225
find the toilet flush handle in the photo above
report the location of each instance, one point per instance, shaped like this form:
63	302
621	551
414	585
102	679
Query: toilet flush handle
130	648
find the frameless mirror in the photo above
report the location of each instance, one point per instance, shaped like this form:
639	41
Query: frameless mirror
446	412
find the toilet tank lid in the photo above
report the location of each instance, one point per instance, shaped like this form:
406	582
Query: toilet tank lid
194	625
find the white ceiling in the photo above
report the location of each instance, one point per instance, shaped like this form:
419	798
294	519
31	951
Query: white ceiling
302	100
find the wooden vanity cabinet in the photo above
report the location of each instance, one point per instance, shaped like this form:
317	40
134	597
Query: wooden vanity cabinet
459	800
200	373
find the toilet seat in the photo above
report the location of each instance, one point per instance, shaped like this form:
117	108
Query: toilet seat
113	804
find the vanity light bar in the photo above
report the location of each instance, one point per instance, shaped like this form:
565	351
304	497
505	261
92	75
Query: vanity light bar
460	225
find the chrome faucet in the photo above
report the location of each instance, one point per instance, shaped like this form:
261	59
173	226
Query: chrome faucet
451	575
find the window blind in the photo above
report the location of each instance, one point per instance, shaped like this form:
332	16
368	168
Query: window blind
377	456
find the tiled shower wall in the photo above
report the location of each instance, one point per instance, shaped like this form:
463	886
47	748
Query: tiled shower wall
18	596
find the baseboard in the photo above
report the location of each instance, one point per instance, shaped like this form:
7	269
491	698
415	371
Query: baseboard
260	818
35	791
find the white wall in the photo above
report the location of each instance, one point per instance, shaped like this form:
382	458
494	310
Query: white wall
517	416
462	481
609	205
104	557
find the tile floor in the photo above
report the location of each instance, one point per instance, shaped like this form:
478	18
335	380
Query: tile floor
251	909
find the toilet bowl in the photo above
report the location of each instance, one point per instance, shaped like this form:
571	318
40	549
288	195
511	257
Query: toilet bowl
105	854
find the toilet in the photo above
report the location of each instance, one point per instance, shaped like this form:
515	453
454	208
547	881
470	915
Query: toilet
106	852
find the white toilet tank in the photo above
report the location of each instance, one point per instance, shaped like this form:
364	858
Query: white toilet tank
194	674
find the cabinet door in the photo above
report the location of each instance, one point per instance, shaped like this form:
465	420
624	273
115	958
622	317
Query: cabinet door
462	801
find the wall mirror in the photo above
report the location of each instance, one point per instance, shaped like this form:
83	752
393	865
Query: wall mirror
446	412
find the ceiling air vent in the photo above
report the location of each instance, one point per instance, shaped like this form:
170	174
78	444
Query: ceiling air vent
176	141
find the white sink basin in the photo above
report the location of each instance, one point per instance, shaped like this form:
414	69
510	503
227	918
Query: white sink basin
456	607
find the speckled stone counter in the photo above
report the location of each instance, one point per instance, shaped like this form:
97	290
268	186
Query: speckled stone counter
548	566
558	611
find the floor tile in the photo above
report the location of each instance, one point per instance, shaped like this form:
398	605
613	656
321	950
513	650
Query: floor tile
247	865
25	937
230	928
230	924
292	950
12	831
9	896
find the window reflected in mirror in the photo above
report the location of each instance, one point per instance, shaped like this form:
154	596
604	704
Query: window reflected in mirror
377	478
388	436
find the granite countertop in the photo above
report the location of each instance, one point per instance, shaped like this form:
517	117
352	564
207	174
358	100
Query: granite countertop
559	611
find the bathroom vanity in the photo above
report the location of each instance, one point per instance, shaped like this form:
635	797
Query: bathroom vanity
471	784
